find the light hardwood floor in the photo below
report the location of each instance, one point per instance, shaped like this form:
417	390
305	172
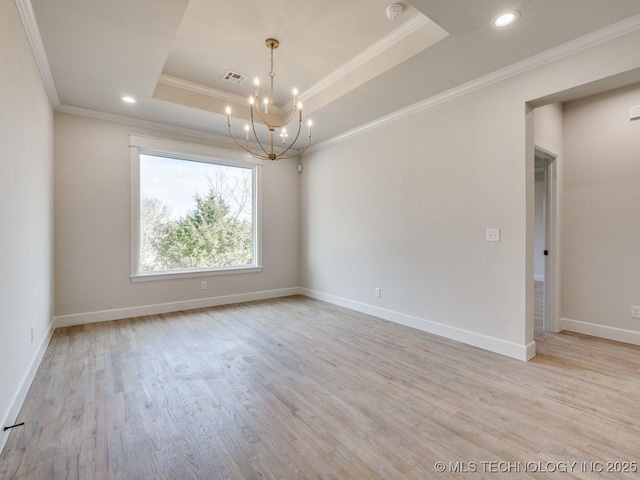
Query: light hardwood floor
297	388
538	305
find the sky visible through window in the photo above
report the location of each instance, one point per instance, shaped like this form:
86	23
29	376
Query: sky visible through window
176	181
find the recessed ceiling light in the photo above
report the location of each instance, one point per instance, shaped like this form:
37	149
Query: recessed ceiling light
506	18
129	99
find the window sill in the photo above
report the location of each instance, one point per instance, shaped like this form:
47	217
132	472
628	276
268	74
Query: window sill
152	276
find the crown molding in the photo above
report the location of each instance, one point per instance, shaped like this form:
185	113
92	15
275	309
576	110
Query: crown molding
201	89
223	140
138	122
414	23
25	9
580	44
208	91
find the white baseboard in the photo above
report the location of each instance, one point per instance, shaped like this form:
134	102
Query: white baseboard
538	278
131	312
509	349
18	398
602	331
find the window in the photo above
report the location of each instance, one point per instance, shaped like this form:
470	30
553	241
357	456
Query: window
195	210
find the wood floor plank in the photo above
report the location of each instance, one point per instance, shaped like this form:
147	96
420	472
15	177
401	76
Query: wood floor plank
294	388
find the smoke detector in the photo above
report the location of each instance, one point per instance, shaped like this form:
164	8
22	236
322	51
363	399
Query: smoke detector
394	10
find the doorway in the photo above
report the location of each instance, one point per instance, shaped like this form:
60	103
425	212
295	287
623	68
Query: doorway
545	242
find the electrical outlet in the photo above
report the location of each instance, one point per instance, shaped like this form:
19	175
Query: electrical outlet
378	292
203	285
635	311
493	234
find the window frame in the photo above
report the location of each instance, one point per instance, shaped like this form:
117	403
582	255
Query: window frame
140	144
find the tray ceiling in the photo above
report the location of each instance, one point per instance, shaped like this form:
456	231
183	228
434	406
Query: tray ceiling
351	63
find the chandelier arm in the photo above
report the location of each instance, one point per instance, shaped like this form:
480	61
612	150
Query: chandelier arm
254	154
295	139
293	113
253	126
300	152
246	149
258	156
275	125
264	120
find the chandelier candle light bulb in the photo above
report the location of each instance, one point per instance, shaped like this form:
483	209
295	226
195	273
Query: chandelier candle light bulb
270	120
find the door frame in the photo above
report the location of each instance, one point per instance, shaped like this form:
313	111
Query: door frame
551	320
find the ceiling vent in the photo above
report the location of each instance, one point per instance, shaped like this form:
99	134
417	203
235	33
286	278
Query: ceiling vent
234	77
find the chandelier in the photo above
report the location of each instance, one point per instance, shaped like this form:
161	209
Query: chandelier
275	123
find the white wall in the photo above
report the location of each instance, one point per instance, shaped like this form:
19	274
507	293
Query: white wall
549	134
92	229
601	227
26	213
405	207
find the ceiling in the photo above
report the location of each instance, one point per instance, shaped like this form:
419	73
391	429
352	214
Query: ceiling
351	63
317	38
